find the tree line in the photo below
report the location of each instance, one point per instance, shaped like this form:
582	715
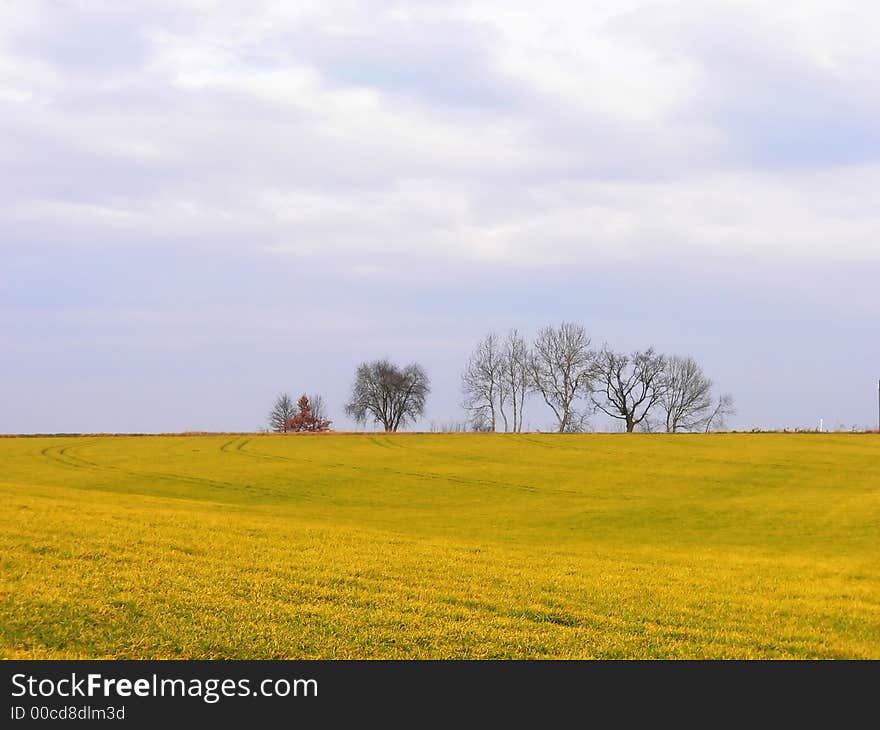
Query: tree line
643	389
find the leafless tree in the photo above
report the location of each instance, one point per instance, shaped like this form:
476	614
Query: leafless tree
479	423
389	394
515	375
319	410
630	385
648	425
686	398
578	421
283	410
723	408
560	368
482	383
450	427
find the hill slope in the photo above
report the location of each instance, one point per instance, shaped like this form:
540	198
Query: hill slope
440	546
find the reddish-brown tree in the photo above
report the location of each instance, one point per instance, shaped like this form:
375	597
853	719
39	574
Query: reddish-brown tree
305	420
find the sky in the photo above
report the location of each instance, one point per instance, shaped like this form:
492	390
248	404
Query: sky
206	203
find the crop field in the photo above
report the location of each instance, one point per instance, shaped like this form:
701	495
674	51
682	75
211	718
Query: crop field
440	546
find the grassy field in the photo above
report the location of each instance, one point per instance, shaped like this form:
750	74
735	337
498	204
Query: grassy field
440	546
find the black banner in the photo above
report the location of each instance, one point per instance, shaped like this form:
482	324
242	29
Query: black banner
415	693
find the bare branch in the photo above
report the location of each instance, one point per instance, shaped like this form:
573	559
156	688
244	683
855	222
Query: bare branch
630	385
390	395
282	411
724	408
561	369
515	374
482	383
686	400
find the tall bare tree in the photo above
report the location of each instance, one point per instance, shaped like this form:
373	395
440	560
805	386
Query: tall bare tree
482	384
282	411
629	385
686	397
515	374
319	409
561	368
388	394
717	418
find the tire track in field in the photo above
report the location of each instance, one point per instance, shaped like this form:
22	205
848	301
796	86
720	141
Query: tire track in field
387	443
543	444
225	447
61	455
307	493
238	450
426	475
78	462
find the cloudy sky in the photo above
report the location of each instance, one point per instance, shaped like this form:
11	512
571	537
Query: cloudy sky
206	203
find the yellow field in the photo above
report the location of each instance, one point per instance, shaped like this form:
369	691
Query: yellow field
441	546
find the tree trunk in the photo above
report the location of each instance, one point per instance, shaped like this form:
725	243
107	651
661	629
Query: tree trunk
630	424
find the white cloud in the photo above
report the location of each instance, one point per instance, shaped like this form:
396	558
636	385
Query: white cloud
550	137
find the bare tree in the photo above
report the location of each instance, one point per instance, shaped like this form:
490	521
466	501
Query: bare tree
560	368
319	409
686	398
515	375
631	385
305	419
482	384
649	425
389	394
283	410
723	408
449	427
578	421
479	423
